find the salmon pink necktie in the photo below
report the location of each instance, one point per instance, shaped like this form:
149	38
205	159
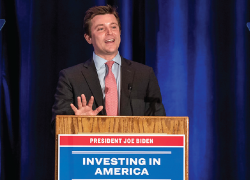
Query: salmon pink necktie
111	97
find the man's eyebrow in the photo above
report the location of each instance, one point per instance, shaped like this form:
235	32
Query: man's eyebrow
103	24
98	25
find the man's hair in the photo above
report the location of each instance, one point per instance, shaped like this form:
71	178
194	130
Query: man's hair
98	10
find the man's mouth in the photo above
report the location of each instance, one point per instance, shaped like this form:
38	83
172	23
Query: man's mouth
110	40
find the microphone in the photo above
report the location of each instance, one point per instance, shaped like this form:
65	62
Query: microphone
129	91
130	87
248	25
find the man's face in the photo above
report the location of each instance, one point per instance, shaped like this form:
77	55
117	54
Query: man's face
105	36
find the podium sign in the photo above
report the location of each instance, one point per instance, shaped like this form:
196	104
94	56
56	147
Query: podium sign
121	156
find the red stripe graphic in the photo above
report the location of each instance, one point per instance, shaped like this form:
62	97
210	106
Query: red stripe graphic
121	140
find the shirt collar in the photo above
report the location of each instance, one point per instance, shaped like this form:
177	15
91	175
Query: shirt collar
99	62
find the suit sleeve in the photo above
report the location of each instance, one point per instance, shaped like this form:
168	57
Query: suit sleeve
63	97
154	106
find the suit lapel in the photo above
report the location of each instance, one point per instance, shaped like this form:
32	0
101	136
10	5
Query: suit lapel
127	76
92	80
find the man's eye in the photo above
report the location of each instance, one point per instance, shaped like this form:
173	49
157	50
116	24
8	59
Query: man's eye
99	29
114	27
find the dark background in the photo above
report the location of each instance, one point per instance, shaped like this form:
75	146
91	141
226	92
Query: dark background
199	50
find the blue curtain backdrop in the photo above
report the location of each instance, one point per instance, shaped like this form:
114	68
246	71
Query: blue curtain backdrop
199	49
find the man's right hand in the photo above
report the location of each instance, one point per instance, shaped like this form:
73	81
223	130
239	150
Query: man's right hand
84	108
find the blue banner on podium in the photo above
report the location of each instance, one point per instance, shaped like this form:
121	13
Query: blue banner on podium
124	157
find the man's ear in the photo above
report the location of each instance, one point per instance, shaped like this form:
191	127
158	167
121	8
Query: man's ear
88	39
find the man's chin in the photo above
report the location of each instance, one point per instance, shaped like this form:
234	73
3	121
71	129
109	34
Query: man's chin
111	52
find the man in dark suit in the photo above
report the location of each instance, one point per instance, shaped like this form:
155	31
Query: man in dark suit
135	90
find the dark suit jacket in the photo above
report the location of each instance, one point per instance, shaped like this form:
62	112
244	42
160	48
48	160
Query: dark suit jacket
140	92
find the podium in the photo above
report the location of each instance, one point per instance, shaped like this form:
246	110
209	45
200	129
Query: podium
68	124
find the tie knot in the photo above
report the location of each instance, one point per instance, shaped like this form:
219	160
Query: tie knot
110	64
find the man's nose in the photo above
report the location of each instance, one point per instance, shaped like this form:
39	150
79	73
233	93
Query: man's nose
109	31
